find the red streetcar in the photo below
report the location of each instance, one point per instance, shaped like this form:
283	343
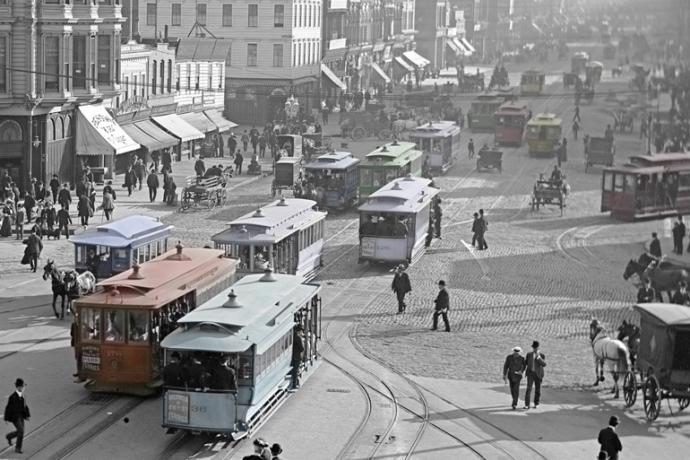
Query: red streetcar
511	120
118	329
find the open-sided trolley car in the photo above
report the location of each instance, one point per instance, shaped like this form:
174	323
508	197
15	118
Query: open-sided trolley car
287	235
118	329
332	180
241	344
394	221
440	142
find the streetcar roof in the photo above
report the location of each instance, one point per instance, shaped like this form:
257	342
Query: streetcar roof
261	310
125	232
510	108
441	128
533	72
406	195
270	223
667	313
544	119
660	159
393	154
160	280
334	161
635	169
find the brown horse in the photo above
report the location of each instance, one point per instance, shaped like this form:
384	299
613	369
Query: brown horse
664	275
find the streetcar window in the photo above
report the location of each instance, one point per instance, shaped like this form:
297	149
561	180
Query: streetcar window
90	324
114	326
138	327
618	183
608	182
630	183
684	182
245	369
365	177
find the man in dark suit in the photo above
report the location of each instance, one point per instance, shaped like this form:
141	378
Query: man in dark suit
442	303
16	412
645	294
401	286
172	372
678	235
655	246
681	297
608	438
535	362
34	246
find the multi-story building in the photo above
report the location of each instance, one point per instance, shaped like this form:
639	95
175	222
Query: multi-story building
432	19
58	56
275	47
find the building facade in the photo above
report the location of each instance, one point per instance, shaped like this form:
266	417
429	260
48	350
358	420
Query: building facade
56	55
432	20
275	48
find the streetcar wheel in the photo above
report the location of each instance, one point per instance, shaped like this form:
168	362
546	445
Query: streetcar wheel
629	388
358	133
683	403
651	396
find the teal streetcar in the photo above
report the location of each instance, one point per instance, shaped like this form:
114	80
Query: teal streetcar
241	343
331	180
121	243
480	118
388	162
287	235
394	221
440	142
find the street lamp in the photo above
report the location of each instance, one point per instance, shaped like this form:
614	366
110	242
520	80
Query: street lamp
291	107
36	143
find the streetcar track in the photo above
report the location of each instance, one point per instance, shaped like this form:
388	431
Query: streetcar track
33	344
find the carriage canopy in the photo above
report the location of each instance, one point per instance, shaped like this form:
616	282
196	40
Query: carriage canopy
665	340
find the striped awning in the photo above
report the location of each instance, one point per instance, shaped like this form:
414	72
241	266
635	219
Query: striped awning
416	59
402	63
468	45
333	77
380	73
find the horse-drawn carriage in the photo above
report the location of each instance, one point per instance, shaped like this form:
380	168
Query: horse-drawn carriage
204	191
662	366
315	144
599	151
623	120
490	159
549	192
570	79
471	83
357	125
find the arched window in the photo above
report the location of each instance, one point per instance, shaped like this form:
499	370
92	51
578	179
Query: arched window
68	126
50	130
59	129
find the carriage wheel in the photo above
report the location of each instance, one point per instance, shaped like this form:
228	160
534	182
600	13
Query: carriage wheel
385	134
683	403
629	388
651	396
358	133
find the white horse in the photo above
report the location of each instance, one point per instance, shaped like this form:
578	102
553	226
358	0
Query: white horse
611	352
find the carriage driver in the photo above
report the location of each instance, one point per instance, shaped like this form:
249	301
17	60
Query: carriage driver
645	294
556	176
681	297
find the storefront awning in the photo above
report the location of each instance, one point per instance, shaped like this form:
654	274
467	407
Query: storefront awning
468	45
463	49
99	134
141	137
416	59
379	72
454	48
333	77
199	121
217	119
163	138
402	63
178	127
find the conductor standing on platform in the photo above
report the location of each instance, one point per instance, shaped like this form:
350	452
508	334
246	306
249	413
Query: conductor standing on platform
401	286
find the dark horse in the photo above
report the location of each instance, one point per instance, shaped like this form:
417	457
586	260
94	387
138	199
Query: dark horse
67	285
629	334
664	275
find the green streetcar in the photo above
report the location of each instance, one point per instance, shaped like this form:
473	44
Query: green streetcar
388	162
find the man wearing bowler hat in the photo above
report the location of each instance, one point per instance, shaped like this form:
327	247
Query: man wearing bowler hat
512	373
608	438
442	303
535	362
16	412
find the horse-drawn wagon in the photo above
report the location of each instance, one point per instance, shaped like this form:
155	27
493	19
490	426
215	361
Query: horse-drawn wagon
490	159
357	125
623	120
599	151
548	192
662	367
199	191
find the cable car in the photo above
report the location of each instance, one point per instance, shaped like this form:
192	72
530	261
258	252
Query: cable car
118	328
511	120
651	186
543	134
333	179
481	114
440	142
394	221
532	82
287	168
251	327
132	239
287	235
388	162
